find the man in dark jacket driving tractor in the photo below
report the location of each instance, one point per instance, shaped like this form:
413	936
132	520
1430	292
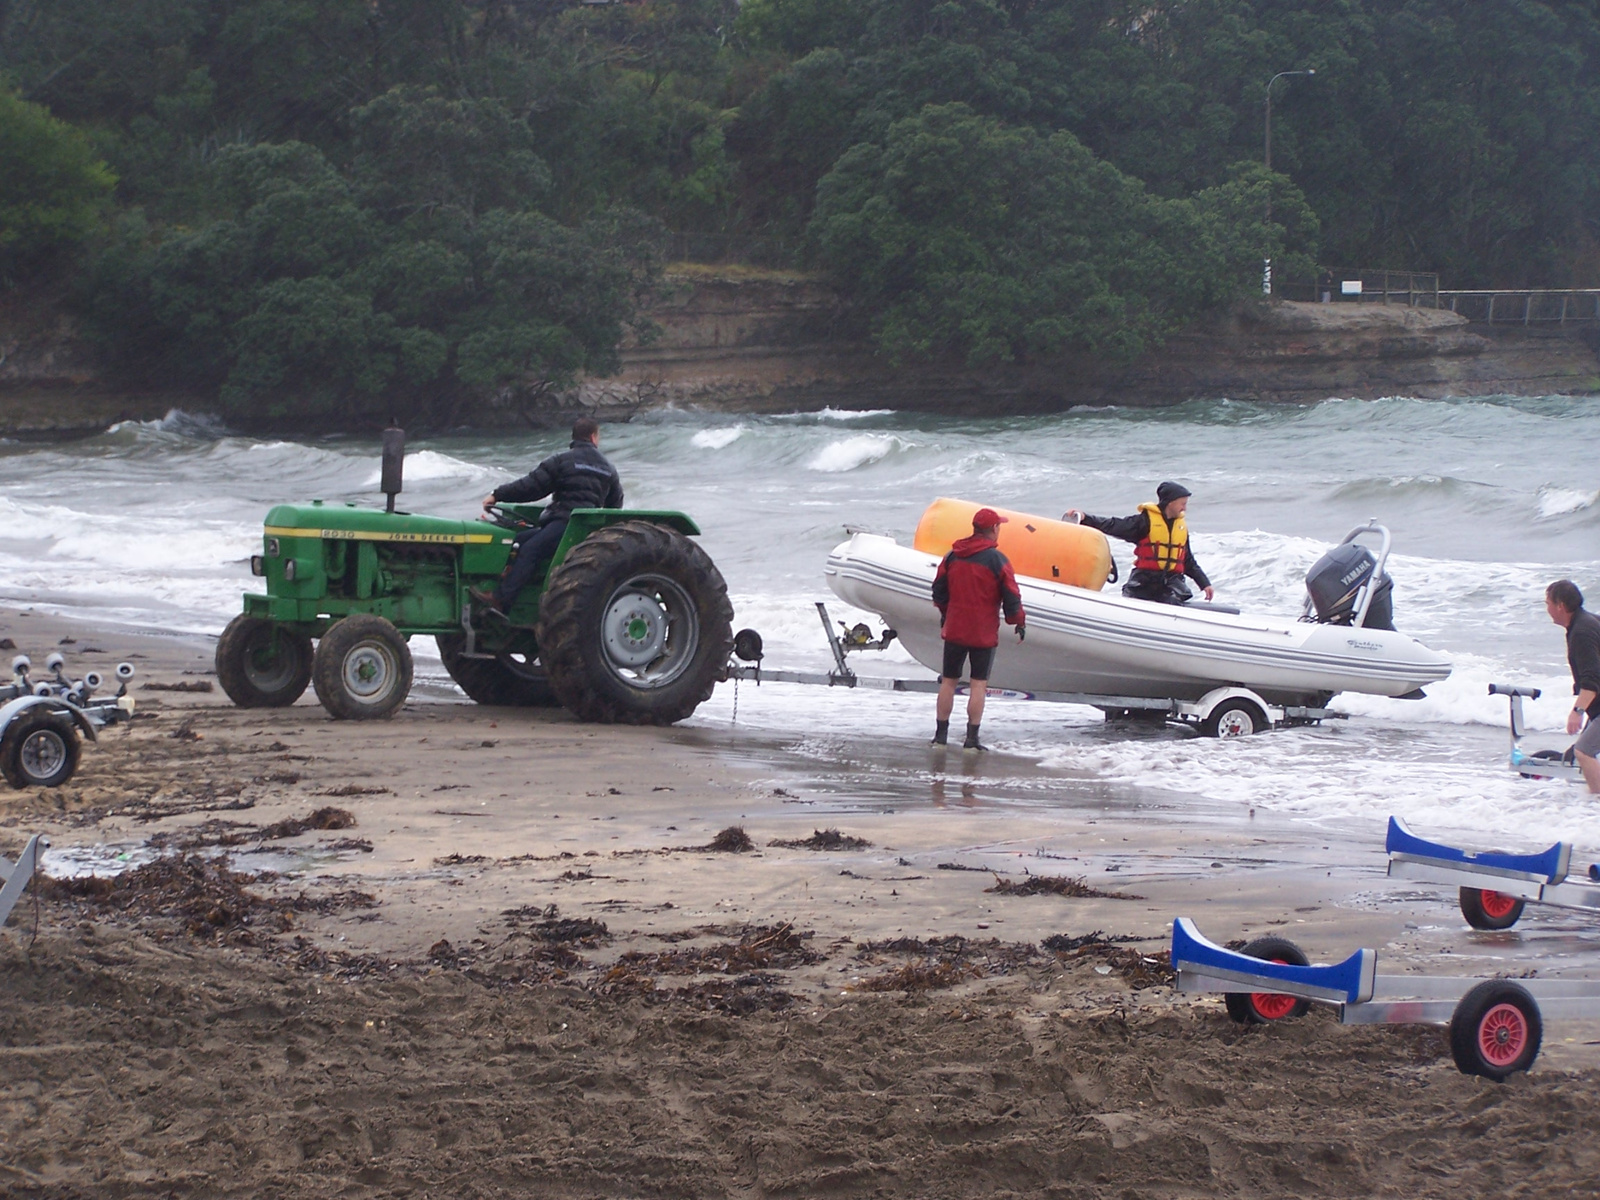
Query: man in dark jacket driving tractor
973	584
578	477
1161	554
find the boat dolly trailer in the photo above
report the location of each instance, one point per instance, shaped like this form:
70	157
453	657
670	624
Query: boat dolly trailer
1221	712
40	720
1496	1025
1494	887
1541	764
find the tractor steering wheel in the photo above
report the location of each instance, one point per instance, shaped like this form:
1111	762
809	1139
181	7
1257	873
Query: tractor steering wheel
497	514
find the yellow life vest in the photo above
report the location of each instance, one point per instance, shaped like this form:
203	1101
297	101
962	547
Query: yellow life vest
1166	546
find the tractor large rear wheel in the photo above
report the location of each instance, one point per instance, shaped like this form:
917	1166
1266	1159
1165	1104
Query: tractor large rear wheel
508	680
635	626
261	664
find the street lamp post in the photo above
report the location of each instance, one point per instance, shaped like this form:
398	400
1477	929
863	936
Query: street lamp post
1266	263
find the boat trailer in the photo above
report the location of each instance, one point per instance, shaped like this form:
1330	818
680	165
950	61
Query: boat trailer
1494	887
1496	1025
1221	712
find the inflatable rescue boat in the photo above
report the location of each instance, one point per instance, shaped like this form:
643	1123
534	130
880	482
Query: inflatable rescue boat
1083	639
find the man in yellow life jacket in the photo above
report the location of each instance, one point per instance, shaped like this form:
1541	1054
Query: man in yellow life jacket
1161	555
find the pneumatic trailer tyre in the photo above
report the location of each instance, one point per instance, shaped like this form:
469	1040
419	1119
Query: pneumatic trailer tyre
1496	1030
1234	718
635	626
1485	909
510	679
261	664
40	749
1264	1008
362	668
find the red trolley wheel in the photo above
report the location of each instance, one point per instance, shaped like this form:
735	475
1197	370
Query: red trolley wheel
1496	1030
1263	1008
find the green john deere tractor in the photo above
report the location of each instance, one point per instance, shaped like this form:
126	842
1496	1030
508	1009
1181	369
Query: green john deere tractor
631	622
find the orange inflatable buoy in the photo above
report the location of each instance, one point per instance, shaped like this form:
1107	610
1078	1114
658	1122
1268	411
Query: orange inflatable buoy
1037	546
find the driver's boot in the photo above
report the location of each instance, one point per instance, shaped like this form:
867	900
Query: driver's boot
488	600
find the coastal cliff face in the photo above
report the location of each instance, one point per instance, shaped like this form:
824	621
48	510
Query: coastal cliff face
774	344
777	343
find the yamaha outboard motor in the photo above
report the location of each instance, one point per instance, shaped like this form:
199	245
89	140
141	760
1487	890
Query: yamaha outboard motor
1335	582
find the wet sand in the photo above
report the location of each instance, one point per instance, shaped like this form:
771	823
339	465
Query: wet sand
515	966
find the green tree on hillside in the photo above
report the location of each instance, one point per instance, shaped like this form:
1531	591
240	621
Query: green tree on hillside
964	236
53	187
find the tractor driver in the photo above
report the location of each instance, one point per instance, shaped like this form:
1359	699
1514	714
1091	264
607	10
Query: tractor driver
578	477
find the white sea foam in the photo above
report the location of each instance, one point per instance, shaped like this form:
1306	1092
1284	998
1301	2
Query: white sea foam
1558	502
716	439
1349	773
177	421
852	452
834	414
430	464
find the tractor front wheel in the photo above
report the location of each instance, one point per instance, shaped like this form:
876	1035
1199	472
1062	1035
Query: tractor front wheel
261	664
635	626
40	749
511	679
362	668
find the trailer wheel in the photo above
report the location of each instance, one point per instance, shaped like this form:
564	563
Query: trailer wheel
635	626
1485	909
362	668
261	664
1554	756
40	750
508	680
1496	1030
1234	718
1264	1008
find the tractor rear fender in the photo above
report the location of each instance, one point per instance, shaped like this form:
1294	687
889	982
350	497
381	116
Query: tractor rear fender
10	711
587	521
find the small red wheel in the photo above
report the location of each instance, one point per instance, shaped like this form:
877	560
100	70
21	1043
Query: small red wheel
1485	909
1498	904
1264	1008
1502	1034
1496	1030
1273	1006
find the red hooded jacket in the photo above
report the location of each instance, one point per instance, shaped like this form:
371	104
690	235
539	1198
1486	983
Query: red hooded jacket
973	584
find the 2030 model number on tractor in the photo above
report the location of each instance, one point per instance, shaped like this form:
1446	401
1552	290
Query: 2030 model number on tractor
630	624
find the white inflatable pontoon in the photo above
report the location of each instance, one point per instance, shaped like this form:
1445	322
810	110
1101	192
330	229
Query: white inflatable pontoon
1098	642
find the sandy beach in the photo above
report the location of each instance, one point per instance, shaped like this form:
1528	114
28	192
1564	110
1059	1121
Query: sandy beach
474	952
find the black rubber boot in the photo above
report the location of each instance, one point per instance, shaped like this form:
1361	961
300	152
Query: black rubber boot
972	742
941	733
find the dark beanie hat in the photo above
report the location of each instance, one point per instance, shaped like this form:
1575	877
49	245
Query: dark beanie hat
1169	491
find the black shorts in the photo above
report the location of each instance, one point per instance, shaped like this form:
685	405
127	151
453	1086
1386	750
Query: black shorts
956	654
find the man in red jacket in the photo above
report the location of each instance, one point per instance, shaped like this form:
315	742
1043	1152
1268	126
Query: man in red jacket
973	584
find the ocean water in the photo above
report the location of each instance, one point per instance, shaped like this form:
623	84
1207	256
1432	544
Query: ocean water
153	523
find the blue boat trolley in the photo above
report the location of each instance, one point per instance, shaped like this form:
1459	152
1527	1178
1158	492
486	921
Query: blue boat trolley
1496	1025
1494	887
